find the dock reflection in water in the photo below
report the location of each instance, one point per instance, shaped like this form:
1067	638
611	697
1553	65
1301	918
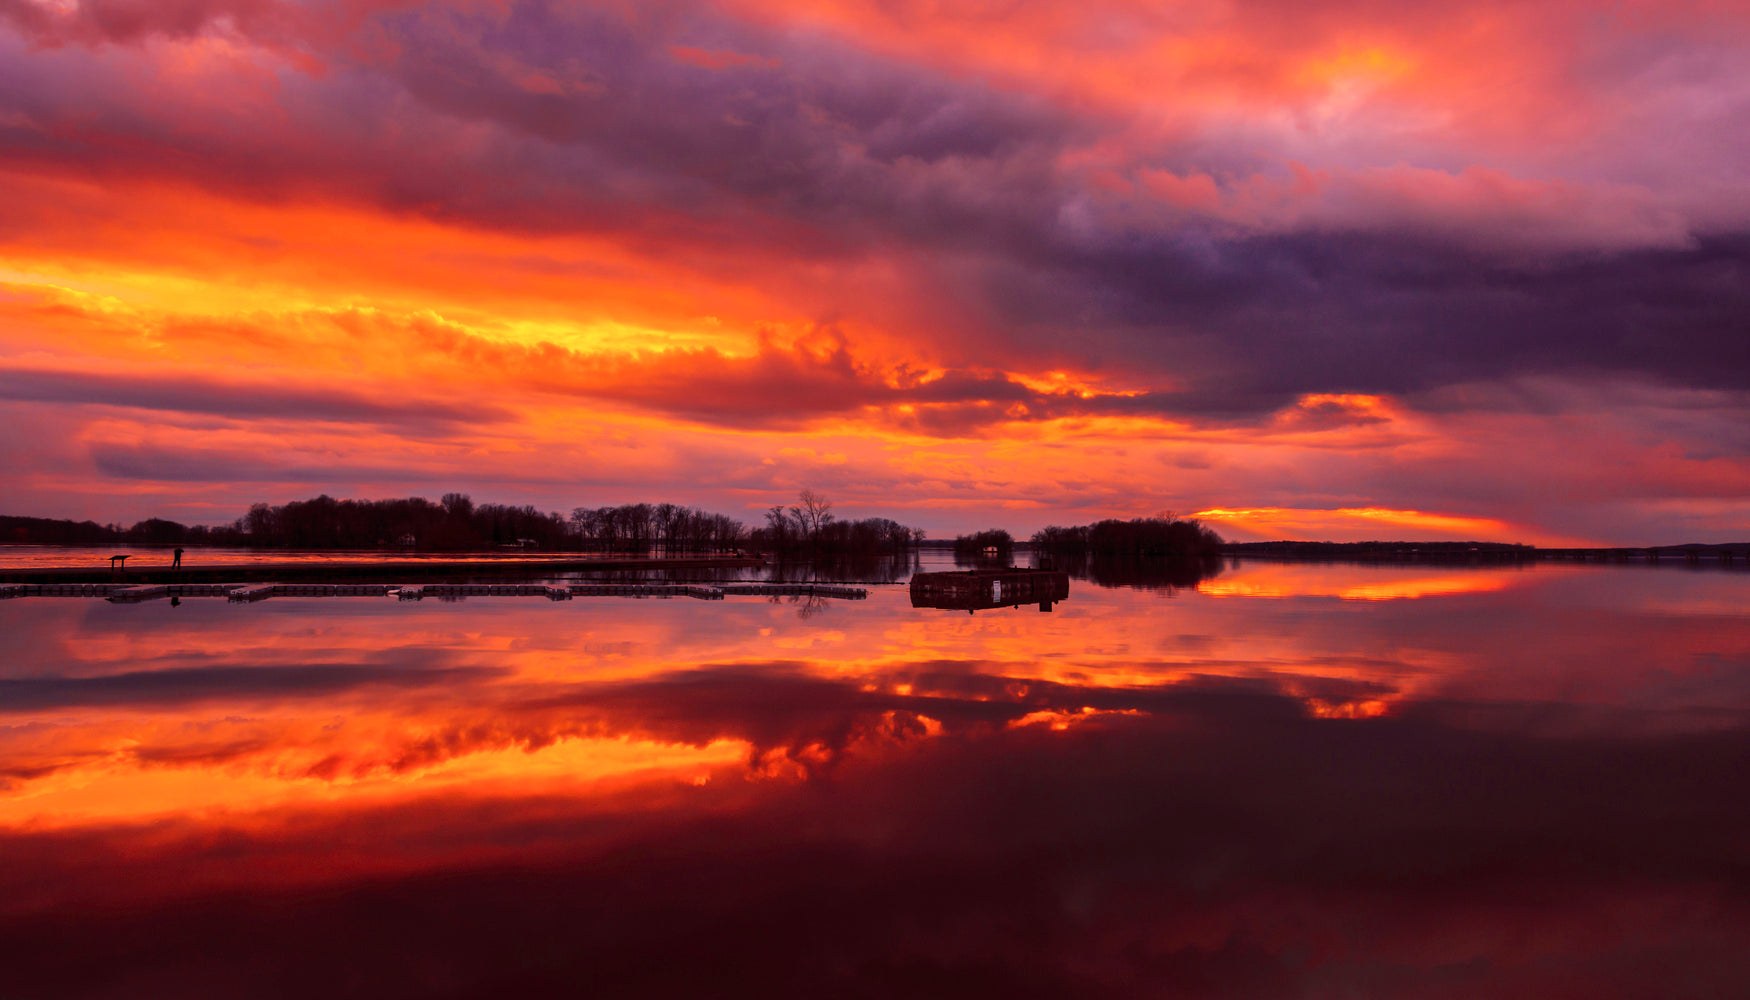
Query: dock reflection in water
1304	781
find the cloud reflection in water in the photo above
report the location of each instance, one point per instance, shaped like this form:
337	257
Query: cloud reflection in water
1512	790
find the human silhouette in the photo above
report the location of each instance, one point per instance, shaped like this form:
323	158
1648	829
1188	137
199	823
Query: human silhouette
176	560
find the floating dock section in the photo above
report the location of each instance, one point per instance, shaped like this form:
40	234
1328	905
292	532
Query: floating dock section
702	592
987	589
59	589
134	595
262	591
794	590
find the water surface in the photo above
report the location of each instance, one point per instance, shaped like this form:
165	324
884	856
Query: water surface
1288	780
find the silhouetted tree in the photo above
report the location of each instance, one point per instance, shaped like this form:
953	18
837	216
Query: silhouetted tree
634	527
1144	536
459	505
809	527
812	512
980	545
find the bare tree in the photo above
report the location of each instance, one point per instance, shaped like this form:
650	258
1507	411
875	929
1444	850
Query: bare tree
667	518
812	511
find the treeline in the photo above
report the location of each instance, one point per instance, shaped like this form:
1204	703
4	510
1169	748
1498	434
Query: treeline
870	536
152	531
639	527
809	527
458	524
979	545
454	525
1163	537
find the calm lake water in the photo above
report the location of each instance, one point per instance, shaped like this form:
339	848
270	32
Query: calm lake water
1292	780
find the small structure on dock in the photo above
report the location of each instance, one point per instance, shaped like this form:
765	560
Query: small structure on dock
986	589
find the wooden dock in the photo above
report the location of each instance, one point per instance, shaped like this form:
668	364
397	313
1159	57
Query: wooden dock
365	570
249	593
794	590
134	595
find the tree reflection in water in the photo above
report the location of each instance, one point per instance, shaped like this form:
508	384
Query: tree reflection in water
1157	573
1142	572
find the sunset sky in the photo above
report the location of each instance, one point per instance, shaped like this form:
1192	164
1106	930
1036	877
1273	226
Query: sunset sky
1317	269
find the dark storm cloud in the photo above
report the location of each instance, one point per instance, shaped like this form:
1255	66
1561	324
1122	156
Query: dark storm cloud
217	465
234	398
796	143
1395	313
594	124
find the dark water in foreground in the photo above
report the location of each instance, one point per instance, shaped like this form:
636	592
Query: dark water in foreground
1293	781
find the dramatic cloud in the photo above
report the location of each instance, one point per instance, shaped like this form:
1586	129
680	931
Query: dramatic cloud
909	227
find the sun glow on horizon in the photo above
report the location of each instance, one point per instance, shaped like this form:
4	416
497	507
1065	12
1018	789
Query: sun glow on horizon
1365	523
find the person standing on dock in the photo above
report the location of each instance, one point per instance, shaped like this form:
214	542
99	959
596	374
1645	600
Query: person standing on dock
176	559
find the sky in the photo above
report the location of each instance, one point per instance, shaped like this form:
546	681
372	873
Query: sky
1316	269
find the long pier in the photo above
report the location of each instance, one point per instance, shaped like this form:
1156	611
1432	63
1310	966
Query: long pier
363	570
246	593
